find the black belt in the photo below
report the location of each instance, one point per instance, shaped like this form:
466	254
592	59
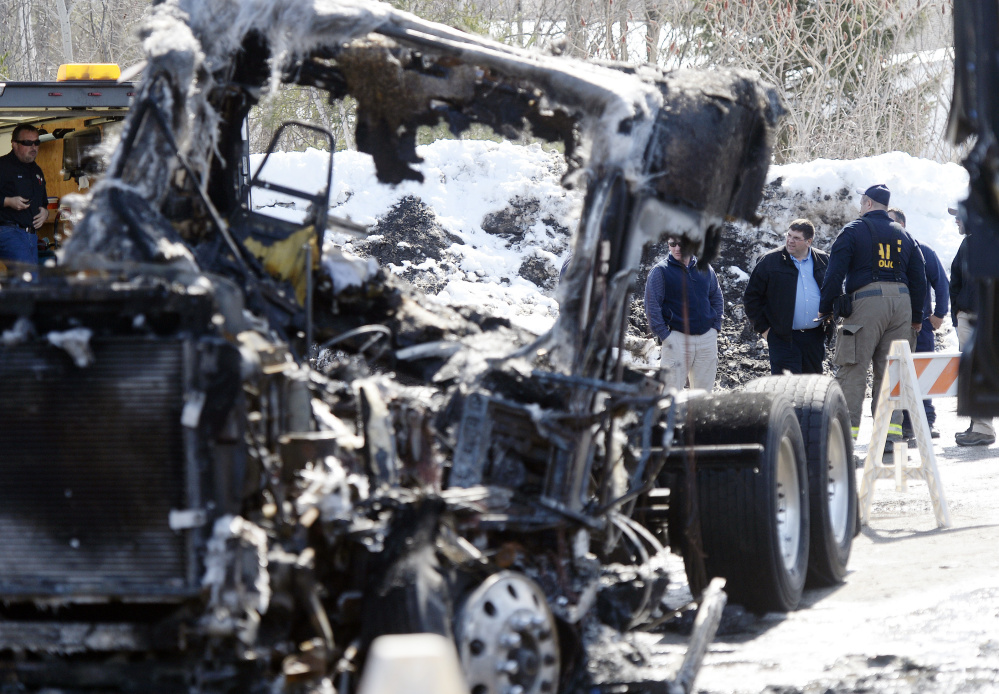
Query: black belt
27	230
877	292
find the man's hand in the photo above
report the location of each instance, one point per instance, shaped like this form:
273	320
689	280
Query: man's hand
16	203
936	321
765	333
40	218
916	327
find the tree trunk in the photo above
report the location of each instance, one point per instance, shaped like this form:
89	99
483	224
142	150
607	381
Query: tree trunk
28	49
346	123
520	23
575	30
609	30
653	24
66	31
622	22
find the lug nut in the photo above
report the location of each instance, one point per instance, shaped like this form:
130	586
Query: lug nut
511	640
519	622
509	667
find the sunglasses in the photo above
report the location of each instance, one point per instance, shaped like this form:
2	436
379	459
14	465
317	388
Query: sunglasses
28	143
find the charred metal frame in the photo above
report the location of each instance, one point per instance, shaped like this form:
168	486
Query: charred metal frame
545	455
975	112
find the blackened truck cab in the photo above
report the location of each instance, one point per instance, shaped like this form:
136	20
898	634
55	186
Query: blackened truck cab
77	113
193	501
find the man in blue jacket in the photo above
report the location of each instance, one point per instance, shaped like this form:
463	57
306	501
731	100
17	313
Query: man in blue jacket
933	316
886	278
684	304
782	302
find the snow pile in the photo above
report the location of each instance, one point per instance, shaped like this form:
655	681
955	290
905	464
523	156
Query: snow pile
491	224
922	189
486	214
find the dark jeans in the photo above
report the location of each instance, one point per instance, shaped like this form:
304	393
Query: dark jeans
17	244
924	343
802	354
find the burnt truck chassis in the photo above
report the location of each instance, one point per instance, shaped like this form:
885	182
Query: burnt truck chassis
974	114
214	483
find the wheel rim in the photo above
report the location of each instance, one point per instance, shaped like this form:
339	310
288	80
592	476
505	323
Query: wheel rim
837	482
788	505
507	638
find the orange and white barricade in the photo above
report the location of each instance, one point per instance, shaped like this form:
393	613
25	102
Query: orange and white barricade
910	379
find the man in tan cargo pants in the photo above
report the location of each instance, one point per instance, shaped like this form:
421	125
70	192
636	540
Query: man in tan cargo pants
886	279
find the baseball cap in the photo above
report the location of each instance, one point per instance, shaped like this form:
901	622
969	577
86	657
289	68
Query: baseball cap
952	211
878	193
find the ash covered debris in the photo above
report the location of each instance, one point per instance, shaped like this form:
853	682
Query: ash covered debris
432	468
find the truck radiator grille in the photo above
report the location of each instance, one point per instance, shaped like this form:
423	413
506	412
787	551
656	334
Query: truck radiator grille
91	463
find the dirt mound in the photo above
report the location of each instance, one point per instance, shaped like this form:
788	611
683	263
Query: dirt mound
513	223
539	270
407	236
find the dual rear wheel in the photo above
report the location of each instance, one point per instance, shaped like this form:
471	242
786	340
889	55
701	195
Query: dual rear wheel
822	413
769	522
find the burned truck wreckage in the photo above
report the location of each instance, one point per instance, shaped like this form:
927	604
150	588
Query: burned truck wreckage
224	471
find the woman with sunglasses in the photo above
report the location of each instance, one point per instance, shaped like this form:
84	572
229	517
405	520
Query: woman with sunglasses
22	186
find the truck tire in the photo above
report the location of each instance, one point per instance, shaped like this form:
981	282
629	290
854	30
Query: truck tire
825	426
754	517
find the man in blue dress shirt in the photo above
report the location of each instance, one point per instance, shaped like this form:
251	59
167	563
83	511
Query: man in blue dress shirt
782	301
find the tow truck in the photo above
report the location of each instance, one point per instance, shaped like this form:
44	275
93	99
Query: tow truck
81	110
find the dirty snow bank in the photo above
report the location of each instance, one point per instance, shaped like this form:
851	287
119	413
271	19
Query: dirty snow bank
921	188
464	234
491	224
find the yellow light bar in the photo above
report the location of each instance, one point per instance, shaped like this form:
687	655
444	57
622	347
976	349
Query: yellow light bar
88	71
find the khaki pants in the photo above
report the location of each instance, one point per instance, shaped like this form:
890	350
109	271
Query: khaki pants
983	425
865	339
695	356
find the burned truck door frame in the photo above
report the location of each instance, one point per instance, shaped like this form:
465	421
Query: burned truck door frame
975	112
318	210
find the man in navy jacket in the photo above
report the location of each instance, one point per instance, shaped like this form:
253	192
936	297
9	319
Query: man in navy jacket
684	304
782	302
886	279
